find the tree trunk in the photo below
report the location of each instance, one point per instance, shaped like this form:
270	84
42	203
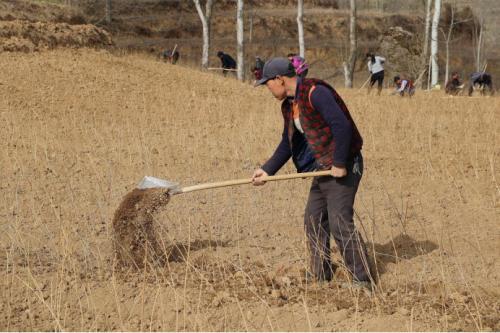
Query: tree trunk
349	66
250	29
425	53
434	43
429	70
447	67
108	12
205	22
479	47
240	41
448	39
300	27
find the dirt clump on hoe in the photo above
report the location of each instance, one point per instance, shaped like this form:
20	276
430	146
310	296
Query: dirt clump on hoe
135	239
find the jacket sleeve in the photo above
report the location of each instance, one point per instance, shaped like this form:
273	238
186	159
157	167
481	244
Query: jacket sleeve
324	102
281	155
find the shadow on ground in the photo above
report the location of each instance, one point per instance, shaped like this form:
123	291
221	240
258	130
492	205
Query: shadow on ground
402	247
178	252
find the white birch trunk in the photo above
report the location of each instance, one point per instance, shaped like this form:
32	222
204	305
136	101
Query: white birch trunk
240	51
108	12
349	66
425	52
300	27
479	47
205	22
448	40
434	43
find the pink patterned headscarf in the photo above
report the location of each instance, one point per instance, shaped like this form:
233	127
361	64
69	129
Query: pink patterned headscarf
299	64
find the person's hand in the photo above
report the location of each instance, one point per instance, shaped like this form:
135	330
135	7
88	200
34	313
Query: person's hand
338	172
257	177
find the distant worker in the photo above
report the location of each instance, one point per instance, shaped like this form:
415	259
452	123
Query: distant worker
454	86
228	64
376	69
481	81
170	56
258	68
300	65
403	87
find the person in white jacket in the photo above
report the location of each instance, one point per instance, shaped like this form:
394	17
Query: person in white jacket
376	68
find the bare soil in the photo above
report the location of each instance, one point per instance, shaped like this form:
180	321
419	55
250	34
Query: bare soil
88	125
134	235
26	36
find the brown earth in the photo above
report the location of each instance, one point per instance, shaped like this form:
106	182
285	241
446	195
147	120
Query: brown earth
135	241
25	36
87	126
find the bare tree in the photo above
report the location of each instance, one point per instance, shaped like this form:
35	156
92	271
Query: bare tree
108	11
205	22
448	37
349	66
425	53
478	42
447	45
434	43
240	41
300	27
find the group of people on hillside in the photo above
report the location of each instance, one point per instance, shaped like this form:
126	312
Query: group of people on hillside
481	81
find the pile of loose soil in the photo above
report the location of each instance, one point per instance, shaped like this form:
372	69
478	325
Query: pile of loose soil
134	236
25	36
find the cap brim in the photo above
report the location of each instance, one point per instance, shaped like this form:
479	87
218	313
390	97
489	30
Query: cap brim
261	81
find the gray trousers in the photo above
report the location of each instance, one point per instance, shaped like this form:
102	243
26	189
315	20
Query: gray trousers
330	210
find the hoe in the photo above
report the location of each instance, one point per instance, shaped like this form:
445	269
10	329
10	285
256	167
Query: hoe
174	188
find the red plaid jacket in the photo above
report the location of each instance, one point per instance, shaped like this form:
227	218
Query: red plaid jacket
316	131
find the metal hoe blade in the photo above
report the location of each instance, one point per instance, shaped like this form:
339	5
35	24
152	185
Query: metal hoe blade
153	182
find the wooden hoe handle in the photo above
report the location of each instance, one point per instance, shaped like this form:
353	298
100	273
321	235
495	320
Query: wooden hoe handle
234	182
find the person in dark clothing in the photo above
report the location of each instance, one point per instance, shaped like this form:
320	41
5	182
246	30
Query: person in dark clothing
170	56
454	86
320	134
376	69
481	81
227	62
258	68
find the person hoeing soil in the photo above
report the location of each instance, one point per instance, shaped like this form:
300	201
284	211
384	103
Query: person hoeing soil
320	134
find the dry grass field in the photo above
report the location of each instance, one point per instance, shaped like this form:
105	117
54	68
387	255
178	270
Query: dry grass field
79	129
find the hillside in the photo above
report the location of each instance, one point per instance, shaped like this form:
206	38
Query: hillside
270	30
87	126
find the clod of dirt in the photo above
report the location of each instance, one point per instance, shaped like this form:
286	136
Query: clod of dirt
134	236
